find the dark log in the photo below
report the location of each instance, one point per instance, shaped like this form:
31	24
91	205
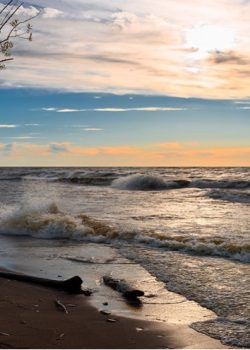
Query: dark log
123	287
71	285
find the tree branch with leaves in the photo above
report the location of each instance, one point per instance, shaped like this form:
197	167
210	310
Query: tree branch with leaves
11	28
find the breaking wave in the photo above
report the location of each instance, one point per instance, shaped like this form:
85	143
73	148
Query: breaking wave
126	179
231	196
45	220
139	182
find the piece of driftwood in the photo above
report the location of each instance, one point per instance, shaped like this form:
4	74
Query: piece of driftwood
71	285
123	287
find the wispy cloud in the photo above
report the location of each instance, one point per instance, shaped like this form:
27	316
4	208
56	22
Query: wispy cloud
6	149
117	109
49	109
68	110
58	148
8	126
92	129
22	137
242	102
164	154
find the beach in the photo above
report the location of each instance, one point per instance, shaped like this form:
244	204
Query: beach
30	319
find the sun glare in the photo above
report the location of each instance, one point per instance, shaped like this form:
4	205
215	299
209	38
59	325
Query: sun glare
207	38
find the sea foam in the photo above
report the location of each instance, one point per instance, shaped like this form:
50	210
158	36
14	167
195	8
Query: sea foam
41	220
140	182
45	220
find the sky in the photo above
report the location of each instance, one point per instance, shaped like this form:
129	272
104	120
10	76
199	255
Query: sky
129	83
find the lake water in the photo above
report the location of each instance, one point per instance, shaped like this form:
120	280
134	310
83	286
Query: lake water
189	227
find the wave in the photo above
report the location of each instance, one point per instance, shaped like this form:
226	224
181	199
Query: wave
128	179
198	245
91	180
43	220
231	196
140	182
207	183
46	220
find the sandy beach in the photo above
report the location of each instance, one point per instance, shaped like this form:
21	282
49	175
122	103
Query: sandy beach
30	318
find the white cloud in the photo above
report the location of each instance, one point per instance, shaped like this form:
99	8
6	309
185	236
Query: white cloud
49	109
7	126
242	102
92	129
140	109
22	137
49	12
115	109
68	110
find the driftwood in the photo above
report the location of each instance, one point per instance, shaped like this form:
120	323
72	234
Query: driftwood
123	287
71	285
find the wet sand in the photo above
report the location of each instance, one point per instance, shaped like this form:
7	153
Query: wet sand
29	318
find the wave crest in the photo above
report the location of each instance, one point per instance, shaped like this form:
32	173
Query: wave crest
42	221
140	182
46	220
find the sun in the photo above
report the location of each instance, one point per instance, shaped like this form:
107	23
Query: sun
207	38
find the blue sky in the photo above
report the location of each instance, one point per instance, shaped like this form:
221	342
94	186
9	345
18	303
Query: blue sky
62	121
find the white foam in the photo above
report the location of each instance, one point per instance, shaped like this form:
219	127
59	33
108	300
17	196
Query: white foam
139	182
41	220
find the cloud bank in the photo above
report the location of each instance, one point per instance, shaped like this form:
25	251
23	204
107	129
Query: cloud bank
136	47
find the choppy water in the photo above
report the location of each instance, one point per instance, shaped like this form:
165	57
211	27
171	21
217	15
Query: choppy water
188	226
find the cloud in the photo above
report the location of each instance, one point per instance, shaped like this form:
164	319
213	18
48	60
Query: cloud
49	109
49	12
8	126
242	102
6	149
22	137
68	110
92	129
58	148
169	153
134	47
116	109
140	109
228	57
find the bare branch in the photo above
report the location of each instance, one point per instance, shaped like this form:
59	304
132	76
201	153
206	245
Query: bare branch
12	28
6	59
3	9
10	15
17	25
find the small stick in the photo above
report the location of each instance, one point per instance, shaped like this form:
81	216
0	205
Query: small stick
61	306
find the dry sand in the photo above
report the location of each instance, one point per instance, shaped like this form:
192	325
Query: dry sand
29	318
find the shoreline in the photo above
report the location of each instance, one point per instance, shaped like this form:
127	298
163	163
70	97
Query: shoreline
29	318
